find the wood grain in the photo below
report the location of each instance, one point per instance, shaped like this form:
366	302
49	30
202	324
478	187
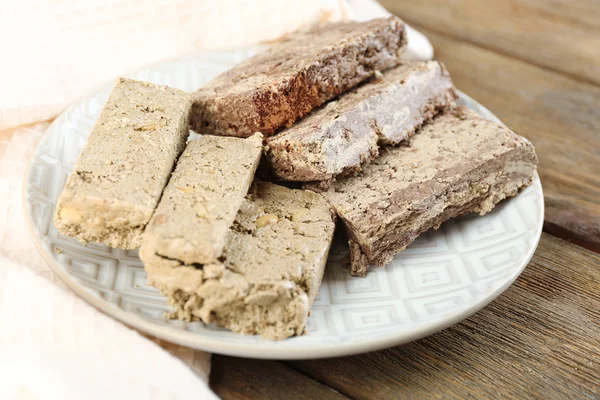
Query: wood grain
540	339
239	378
557	113
560	35
566	223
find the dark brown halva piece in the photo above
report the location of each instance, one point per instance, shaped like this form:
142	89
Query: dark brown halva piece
273	89
345	134
459	163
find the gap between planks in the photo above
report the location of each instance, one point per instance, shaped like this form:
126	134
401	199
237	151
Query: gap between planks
560	35
503	52
240	379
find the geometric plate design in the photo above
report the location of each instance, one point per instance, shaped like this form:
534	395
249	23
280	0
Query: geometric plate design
442	278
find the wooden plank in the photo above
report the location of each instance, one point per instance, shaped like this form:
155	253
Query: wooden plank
566	223
539	339
558	114
560	35
238	378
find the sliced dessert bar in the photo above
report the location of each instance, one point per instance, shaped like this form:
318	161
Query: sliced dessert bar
457	164
275	88
125	164
202	199
343	135
269	273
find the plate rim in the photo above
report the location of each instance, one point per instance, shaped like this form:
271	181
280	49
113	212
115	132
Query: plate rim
271	350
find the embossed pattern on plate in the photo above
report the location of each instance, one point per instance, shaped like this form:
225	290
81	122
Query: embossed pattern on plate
442	278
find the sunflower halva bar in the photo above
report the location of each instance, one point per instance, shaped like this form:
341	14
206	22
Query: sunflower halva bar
125	164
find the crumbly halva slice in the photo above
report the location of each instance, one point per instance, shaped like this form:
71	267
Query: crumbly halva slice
457	164
270	272
343	135
125	164
202	198
276	87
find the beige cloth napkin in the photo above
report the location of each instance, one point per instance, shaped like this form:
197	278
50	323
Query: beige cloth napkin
58	50
54	51
53	345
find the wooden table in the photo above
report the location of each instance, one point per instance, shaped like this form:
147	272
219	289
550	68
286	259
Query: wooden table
535	64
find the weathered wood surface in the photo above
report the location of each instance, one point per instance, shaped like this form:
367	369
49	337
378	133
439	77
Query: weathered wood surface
539	339
559	35
239	378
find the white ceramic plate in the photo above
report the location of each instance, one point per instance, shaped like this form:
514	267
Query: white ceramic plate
442	278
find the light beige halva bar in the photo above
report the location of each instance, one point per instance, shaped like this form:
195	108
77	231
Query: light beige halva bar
202	199
125	164
270	270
